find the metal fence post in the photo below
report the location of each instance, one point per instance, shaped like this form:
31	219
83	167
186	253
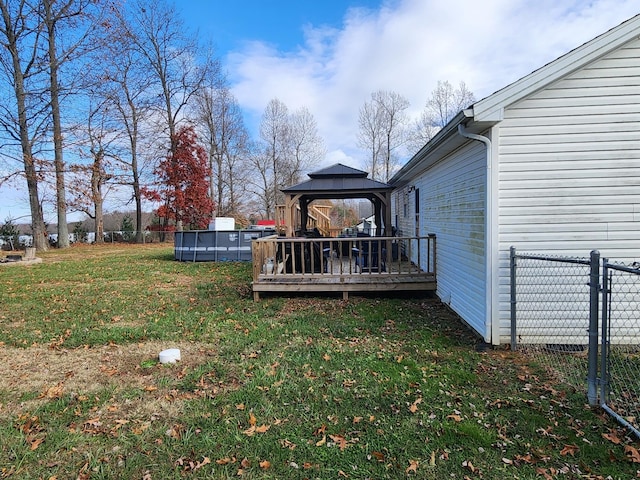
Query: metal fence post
512	270
604	341
594	295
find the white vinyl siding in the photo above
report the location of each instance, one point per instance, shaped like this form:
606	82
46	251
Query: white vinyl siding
569	168
452	206
406	218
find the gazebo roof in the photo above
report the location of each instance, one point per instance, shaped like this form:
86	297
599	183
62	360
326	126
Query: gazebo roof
338	181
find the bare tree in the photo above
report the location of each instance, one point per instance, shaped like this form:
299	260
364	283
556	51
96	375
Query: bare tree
126	90
444	104
392	106
260	184
370	134
291	144
21	119
306	145
91	181
382	123
61	22
226	139
171	57
274	132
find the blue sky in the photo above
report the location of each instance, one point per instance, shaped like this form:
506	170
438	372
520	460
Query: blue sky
230	24
330	55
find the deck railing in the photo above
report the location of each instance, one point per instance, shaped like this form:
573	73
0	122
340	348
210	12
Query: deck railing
337	258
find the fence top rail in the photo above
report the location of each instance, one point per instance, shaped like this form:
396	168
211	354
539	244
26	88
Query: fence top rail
279	239
546	258
623	268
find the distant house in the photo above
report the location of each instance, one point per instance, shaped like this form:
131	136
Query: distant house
550	163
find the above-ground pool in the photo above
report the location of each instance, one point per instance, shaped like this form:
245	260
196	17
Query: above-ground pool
216	246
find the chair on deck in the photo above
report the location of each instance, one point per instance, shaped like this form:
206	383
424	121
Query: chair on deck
371	256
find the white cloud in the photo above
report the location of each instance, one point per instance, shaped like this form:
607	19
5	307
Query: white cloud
406	47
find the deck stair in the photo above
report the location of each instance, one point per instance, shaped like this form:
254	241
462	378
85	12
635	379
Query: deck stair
318	218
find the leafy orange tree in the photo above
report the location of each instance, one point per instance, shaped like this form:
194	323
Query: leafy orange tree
183	183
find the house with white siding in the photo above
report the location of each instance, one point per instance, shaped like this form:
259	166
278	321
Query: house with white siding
550	163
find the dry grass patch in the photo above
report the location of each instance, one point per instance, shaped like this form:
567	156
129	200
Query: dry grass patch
36	375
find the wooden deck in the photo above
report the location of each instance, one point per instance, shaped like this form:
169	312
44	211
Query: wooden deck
343	265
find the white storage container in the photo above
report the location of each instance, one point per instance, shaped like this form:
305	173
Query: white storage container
222	224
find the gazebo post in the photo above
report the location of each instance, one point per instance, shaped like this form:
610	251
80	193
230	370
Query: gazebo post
388	227
377	209
290	205
304	213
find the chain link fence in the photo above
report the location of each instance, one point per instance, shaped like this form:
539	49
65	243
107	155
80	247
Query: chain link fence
620	320
580	319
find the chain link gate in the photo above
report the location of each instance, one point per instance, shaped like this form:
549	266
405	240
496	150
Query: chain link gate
580	317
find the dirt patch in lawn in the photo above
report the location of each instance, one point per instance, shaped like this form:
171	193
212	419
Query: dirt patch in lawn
32	376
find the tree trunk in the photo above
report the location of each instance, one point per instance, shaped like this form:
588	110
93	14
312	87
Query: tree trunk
37	218
96	191
54	88
137	194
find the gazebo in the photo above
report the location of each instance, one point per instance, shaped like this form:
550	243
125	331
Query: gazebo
302	262
337	182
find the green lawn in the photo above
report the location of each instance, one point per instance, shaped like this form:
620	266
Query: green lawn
287	388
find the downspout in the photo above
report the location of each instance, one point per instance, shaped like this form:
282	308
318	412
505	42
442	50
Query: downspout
489	233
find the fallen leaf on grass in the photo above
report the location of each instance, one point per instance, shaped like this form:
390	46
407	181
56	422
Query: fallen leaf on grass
110	371
35	443
379	456
455	418
544	473
139	428
612	437
569	450
175	431
468	465
413	466
53	392
525	458
339	440
413	408
190	465
632	453
321	430
286	443
253	430
265	464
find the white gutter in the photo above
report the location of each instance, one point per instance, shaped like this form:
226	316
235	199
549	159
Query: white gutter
488	327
